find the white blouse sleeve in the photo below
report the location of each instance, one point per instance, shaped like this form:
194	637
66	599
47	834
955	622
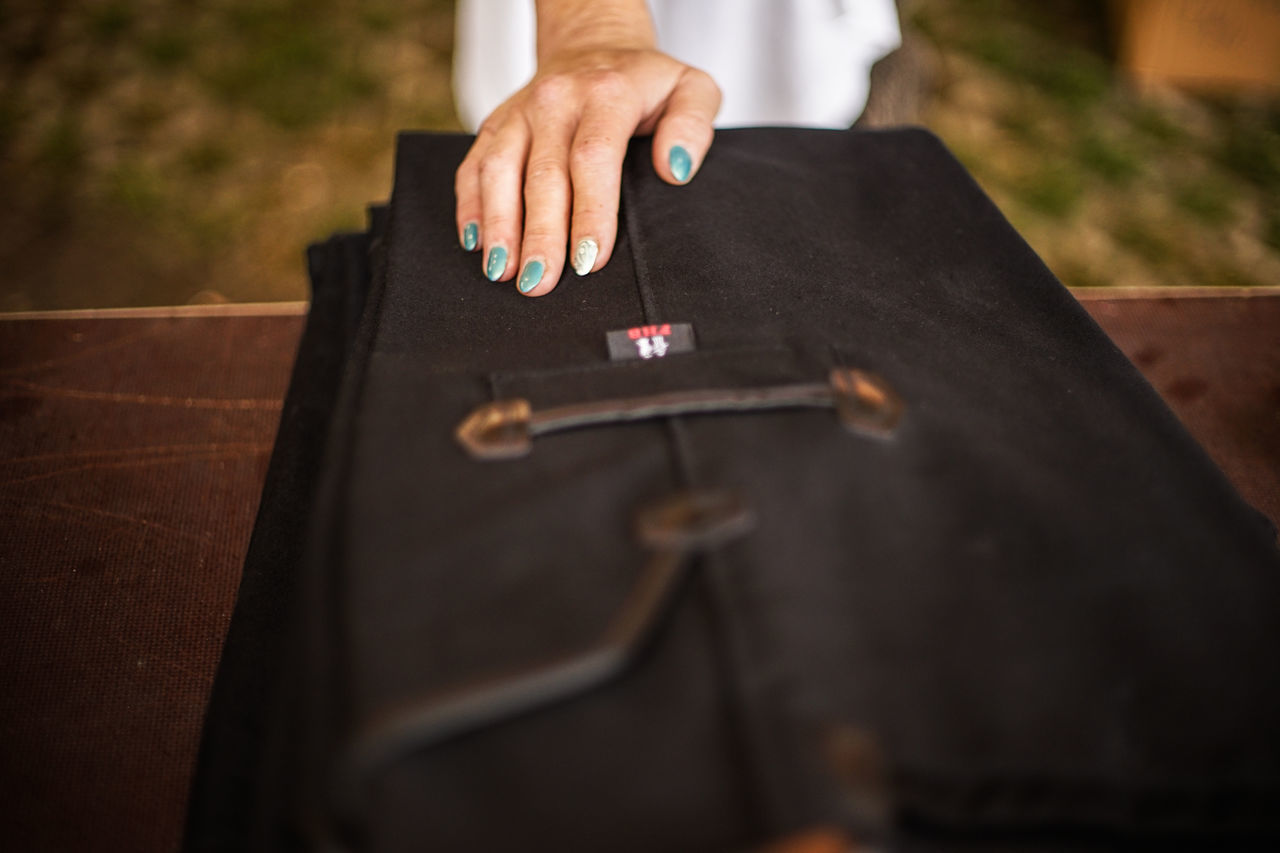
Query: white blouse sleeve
778	62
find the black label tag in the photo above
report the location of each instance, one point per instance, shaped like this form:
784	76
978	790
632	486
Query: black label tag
650	341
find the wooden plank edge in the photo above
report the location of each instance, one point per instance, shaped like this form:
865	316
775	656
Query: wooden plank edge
1085	294
227	309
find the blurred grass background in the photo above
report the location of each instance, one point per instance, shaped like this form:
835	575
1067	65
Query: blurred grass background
165	152
161	152
1111	185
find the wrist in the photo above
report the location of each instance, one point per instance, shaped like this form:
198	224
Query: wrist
585	26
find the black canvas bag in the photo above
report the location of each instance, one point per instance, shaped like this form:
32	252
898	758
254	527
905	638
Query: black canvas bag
892	541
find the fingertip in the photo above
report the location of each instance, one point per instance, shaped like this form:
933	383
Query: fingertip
676	160
495	265
679	163
531	276
538	277
585	253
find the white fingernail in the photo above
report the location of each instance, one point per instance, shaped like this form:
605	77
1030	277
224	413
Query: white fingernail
584	255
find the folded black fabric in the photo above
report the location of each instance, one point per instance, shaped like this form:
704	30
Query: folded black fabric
232	762
1023	609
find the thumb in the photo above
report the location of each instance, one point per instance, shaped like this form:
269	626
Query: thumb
683	134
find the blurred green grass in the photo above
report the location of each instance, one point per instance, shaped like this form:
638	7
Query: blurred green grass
156	152
1112	185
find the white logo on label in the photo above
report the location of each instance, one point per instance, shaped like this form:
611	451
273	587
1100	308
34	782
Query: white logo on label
652	347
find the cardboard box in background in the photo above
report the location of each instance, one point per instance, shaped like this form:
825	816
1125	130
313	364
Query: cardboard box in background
1222	45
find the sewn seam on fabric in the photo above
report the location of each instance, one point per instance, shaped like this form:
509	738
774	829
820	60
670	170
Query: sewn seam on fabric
764	791
639	269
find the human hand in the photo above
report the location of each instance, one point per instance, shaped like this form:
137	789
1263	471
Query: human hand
545	170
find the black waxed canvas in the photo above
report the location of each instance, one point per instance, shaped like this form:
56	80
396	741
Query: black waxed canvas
1040	603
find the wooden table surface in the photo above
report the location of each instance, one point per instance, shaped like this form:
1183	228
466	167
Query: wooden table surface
133	447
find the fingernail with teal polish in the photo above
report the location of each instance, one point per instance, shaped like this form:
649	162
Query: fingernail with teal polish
470	236
497	263
680	163
530	276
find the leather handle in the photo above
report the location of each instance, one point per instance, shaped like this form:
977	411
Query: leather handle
504	429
